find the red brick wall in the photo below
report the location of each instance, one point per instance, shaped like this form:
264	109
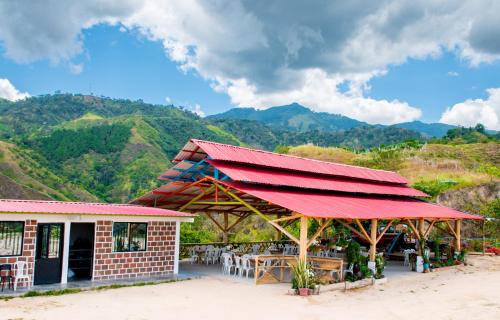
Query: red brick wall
28	253
158	260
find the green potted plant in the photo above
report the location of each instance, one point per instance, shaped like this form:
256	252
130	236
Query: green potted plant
302	277
380	266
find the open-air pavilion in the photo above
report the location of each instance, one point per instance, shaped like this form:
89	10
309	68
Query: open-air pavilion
228	184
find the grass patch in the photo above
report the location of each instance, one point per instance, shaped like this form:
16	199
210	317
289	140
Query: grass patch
51	292
61	292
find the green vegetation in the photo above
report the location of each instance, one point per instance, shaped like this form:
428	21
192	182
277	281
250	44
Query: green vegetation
491	210
64	144
78	147
33	293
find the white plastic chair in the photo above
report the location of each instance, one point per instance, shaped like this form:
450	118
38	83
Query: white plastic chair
237	266
246	267
21	273
227	263
255	249
407	256
208	256
193	256
349	269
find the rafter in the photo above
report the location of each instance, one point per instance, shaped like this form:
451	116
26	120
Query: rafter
318	232
215	221
384	231
415	231
360	226
354	230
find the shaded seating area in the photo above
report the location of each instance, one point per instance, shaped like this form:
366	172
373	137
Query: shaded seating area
228	184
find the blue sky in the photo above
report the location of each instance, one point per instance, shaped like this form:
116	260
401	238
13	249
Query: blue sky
119	65
386	63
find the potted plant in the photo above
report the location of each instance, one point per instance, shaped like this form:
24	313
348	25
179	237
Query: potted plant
379	266
302	277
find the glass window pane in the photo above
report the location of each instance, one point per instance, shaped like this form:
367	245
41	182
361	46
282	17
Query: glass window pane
138	233
120	236
11	238
54	241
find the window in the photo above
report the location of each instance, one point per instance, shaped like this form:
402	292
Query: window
128	236
50	236
11	238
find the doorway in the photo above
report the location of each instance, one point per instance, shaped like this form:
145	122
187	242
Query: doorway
81	251
49	250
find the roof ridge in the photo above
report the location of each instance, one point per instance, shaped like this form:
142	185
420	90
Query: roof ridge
70	202
296	157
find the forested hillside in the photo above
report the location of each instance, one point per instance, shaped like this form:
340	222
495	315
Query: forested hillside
113	149
75	147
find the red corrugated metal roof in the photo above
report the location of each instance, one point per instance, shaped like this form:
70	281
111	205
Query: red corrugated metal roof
224	152
328	205
279	177
60	207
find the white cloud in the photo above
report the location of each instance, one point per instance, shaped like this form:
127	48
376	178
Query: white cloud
168	100
75	68
320	92
35	30
197	109
452	74
471	112
259	53
9	92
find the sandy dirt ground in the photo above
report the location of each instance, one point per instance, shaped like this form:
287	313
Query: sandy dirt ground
471	292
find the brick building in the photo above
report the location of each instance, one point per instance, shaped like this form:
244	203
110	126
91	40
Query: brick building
70	241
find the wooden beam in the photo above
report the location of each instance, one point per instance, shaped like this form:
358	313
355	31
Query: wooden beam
217	203
276	225
225	238
429	228
458	227
412	226
210	189
360	226
373	235
215	221
296	216
241	218
452	232
384	231
354	230
303	239
318	232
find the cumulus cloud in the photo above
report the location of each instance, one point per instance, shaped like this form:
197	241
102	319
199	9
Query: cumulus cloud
34	30
9	92
259	52
471	112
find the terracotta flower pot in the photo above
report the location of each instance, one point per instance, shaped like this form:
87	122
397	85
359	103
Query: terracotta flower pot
303	292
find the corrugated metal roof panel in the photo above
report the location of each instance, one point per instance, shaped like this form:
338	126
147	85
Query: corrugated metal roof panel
224	152
278	177
60	207
328	205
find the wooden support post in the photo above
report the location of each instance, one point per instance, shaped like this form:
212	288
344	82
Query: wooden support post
279	234
458	226
421	231
373	236
303	239
226	225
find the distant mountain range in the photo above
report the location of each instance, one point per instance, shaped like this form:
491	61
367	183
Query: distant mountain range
302	119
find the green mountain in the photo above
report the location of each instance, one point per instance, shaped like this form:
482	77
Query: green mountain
437	130
259	135
299	118
112	150
292	117
78	147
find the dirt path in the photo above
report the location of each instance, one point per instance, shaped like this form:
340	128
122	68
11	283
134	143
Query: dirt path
471	292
